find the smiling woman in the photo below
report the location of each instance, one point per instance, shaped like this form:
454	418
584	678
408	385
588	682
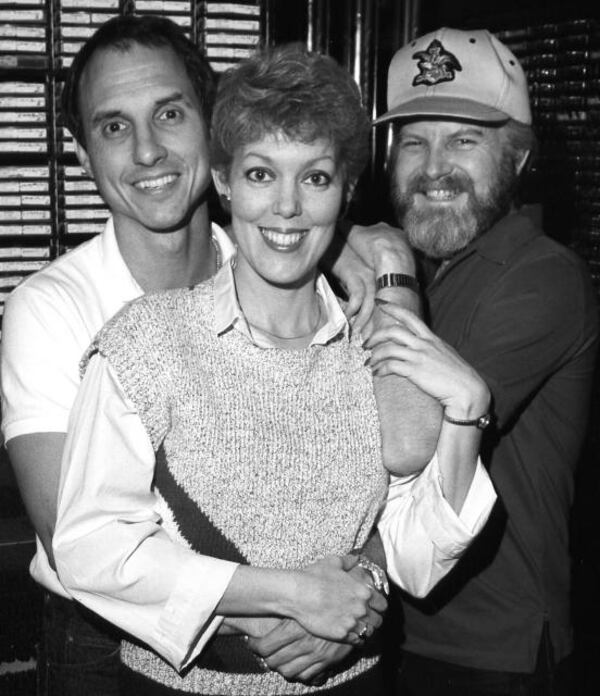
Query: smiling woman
285	198
289	139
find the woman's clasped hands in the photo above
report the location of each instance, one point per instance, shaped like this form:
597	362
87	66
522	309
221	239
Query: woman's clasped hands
333	603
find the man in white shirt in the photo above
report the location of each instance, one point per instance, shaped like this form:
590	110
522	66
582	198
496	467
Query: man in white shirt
139	119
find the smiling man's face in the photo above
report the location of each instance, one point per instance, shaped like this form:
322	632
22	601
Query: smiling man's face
145	137
451	181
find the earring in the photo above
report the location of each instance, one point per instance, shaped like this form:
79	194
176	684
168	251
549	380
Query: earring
224	200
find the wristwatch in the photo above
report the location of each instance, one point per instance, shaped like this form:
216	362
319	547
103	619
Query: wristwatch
397	280
482	422
377	573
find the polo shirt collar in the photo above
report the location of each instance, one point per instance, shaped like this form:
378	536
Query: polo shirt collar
229	315
509	234
499	243
123	285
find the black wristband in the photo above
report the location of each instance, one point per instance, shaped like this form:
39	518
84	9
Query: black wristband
397	280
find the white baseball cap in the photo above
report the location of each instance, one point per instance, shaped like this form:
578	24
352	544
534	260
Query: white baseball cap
452	73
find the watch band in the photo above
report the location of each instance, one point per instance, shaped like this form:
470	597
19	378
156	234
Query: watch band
380	581
482	422
397	280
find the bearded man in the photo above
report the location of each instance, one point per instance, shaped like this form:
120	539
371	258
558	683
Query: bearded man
520	309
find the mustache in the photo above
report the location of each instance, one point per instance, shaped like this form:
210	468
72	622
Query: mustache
422	183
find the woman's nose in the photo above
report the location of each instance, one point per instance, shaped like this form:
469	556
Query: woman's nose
287	203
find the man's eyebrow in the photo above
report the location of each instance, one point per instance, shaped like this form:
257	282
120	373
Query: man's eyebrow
468	130
100	116
174	97
107	114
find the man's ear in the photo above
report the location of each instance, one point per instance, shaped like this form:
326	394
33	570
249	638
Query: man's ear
221	183
84	159
521	161
349	192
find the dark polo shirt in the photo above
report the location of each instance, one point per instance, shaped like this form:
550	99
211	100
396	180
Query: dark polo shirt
521	309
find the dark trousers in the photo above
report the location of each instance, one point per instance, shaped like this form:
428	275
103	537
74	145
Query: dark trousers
422	676
78	653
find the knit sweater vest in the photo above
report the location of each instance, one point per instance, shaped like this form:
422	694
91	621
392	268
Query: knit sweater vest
264	456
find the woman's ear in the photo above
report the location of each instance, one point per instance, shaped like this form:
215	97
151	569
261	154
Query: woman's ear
221	183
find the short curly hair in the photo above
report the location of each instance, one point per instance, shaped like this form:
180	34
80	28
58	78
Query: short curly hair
291	91
120	33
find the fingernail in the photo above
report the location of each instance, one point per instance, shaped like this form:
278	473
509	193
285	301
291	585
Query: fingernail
367	362
379	301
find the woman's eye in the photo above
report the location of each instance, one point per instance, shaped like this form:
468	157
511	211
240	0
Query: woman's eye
318	179
259	175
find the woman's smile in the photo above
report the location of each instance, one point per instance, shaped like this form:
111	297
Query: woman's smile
285	239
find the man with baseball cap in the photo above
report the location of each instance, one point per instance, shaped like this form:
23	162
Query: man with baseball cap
521	310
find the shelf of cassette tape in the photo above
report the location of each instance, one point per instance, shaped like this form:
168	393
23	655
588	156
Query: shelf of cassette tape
47	204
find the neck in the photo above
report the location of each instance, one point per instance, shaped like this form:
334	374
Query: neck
163	260
283	313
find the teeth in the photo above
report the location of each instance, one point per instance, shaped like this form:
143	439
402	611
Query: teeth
282	239
153	184
440	194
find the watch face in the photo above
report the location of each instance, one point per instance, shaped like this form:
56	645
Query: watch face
484	421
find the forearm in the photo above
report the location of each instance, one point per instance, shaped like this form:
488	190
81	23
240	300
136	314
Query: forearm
373	549
409	418
458	445
35	459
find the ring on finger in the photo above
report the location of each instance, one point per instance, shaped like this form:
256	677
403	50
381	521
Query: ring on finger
363	634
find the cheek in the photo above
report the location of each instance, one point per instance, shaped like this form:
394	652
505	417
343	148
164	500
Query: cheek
404	175
107	161
248	208
324	210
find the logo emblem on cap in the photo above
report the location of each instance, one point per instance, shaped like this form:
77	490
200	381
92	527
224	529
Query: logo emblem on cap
436	65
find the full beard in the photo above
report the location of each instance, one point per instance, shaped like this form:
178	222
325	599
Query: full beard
441	232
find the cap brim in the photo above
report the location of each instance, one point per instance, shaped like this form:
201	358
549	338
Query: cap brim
443	107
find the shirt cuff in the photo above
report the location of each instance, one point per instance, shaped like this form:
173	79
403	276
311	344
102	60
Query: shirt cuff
188	620
422	535
449	532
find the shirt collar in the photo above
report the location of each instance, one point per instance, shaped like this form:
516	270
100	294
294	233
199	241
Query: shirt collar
123	284
501	241
510	233
226	246
229	315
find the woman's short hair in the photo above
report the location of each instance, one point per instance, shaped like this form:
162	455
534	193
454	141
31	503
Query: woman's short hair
121	33
290	91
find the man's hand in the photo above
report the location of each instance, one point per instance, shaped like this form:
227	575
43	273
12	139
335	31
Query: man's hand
298	655
358	255
382	248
